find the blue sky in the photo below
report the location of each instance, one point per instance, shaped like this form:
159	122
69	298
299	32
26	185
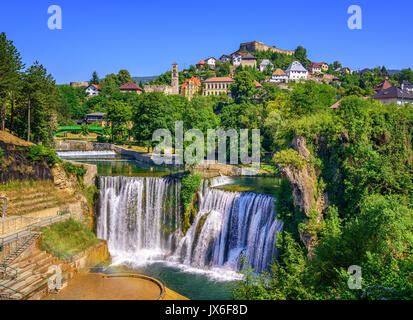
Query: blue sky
145	37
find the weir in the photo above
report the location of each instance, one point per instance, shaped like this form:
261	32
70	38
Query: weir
141	220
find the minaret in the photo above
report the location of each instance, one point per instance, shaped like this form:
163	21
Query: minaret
175	79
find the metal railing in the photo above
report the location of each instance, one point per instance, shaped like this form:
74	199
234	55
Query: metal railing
4	206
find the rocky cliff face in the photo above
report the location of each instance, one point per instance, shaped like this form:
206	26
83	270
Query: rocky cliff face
15	166
304	184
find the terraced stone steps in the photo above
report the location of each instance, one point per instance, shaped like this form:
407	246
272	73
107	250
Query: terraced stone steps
30	199
32	276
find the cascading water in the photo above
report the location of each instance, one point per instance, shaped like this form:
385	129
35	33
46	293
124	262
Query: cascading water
86	154
141	220
229	225
139	217
220	181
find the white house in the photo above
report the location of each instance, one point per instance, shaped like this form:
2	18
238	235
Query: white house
393	94
278	76
225	58
407	86
264	64
296	72
92	90
211	61
236	59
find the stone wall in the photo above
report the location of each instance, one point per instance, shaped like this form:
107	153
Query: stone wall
91	257
166	89
254	46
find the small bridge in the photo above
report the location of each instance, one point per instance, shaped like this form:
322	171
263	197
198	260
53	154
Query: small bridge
78	129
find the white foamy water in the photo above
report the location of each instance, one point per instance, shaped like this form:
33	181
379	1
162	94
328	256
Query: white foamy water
220	181
86	154
141	220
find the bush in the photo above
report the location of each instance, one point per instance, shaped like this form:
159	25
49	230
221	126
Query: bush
289	157
67	238
189	185
102	139
1	155
41	153
74	170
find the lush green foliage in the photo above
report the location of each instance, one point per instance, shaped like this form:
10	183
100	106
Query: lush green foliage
362	152
74	170
189	185
289	157
66	239
42	153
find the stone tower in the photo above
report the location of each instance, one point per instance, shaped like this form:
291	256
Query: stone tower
175	79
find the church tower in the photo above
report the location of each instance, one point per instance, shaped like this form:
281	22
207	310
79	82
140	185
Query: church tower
175	79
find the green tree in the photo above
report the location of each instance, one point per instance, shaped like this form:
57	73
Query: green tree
41	94
124	77
10	65
95	78
118	114
243	87
301	55
150	113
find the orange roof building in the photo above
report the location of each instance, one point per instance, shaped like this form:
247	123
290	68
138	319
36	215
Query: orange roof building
191	87
278	76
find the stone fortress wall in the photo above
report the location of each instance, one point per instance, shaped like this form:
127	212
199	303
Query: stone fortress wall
255	46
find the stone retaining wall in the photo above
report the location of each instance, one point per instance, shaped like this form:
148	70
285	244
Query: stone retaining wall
224	169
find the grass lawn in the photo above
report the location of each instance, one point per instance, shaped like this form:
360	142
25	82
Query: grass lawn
68	238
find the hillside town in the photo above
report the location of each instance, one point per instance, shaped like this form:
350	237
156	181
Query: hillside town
258	174
246	58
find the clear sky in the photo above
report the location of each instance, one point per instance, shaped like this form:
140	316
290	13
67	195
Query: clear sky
146	36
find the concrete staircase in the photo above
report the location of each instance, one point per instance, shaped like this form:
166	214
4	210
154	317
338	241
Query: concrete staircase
32	277
27	243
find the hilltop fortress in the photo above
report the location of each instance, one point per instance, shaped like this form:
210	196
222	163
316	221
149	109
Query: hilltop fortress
255	46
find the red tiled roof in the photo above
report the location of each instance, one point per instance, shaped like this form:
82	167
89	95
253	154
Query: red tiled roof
130	86
383	86
336	105
200	63
196	81
257	84
316	64
96	86
220	79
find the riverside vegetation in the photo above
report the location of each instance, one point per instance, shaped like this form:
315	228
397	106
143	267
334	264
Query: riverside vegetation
359	163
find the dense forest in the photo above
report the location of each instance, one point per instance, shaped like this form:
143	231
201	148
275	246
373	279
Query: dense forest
359	161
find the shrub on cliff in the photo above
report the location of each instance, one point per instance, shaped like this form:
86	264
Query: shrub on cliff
189	186
73	169
289	157
40	153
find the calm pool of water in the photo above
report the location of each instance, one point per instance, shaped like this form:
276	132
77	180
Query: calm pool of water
191	285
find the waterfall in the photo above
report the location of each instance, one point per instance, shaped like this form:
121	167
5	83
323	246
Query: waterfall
139	217
228	225
220	181
141	220
86	154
